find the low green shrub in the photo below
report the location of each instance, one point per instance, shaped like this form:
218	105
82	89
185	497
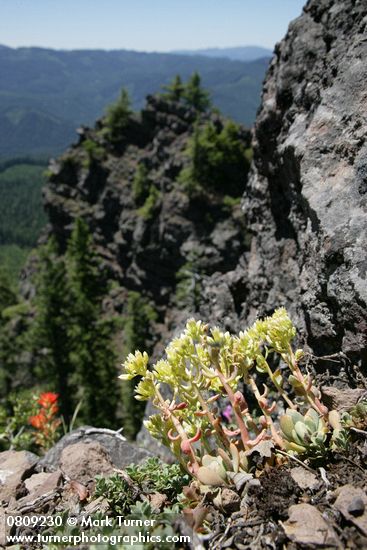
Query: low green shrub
154	476
150	205
151	476
141	184
118	493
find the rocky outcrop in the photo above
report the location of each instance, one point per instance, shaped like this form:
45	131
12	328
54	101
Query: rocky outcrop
300	241
153	237
305	204
64	479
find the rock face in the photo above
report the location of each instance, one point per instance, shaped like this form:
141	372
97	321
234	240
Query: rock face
305	204
155	237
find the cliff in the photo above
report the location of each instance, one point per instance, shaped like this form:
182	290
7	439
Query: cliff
154	235
305	202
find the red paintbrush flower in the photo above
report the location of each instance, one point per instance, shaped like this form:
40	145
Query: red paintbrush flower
44	422
48	399
37	421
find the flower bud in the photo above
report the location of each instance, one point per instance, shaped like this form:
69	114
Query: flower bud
240	400
186	447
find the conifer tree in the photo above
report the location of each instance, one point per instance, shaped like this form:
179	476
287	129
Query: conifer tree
91	356
195	95
72	339
7	352
141	184
118	116
49	333
174	90
137	327
7	295
218	158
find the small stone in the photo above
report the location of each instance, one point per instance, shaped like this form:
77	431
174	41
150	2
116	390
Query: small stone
264	448
307	527
304	478
15	466
4	530
356	507
43	480
40	485
157	501
99	505
121	452
341	400
349	503
254	483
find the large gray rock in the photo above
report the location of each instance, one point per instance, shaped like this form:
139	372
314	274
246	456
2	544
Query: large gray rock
84	461
15	466
306	202
120	452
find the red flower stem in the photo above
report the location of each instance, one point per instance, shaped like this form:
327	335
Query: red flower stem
245	436
177	424
276	437
279	388
314	402
215	422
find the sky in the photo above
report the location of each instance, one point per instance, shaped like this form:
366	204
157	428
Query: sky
145	25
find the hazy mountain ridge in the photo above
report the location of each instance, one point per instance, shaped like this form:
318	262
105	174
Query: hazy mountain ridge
60	90
237	53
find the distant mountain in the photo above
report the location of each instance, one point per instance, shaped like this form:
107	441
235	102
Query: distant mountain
240	53
45	94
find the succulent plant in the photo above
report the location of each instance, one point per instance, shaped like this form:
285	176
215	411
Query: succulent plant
358	415
340	435
204	367
212	471
304	434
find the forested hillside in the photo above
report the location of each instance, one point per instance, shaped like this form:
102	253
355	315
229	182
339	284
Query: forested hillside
46	94
21	213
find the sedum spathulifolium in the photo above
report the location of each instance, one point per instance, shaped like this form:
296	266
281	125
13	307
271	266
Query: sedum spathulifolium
205	365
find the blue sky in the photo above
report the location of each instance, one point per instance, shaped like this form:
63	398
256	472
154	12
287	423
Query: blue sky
146	25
